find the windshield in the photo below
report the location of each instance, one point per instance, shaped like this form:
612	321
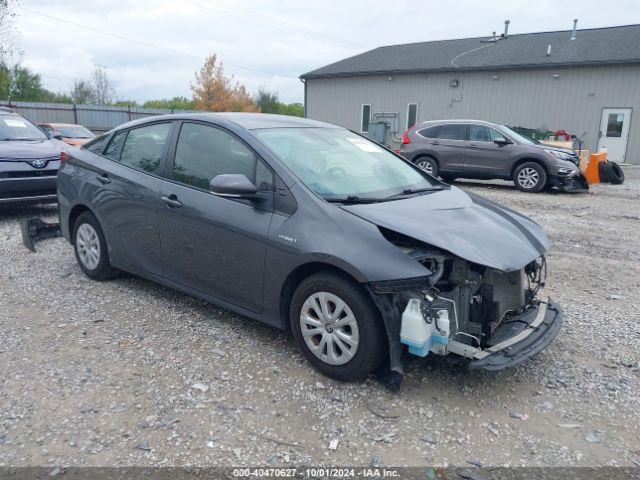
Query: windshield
13	127
519	138
336	163
74	131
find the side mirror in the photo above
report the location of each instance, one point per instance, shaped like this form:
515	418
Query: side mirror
502	141
233	185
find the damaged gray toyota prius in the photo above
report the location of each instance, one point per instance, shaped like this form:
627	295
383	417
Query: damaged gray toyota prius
312	228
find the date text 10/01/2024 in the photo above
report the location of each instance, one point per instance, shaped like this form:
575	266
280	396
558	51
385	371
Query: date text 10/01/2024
316	472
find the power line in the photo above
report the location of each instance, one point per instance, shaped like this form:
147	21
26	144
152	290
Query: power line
144	43
296	28
237	12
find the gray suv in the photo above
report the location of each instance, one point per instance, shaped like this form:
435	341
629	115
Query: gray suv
483	150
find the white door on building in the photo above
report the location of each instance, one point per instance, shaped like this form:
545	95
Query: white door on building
614	132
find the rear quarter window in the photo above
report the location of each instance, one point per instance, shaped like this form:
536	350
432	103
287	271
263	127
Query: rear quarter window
113	149
97	144
429	132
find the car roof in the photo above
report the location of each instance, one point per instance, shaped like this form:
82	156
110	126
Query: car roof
459	120
51	124
249	121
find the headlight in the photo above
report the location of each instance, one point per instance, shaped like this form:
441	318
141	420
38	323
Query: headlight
566	171
559	154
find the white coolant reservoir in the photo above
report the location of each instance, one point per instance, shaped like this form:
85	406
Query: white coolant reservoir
414	331
440	335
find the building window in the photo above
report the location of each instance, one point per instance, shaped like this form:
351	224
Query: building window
366	117
412	115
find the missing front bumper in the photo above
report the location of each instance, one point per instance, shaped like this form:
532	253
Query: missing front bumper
571	184
34	230
521	338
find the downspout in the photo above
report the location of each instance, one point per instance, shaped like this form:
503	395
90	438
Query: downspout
304	105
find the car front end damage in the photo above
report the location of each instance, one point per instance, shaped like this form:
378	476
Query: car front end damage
488	318
570	181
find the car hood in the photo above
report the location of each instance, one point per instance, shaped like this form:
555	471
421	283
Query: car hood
544	146
76	142
466	225
20	151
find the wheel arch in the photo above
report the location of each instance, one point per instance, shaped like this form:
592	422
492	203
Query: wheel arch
296	276
74	213
524	160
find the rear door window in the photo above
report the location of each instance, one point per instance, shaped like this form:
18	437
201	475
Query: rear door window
144	146
452	131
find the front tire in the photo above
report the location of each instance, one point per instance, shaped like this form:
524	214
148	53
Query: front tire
337	327
530	177
91	248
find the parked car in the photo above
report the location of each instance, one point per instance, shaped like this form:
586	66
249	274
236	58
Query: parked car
70	133
312	228
484	150
29	161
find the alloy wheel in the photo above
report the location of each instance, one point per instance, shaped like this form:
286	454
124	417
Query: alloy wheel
329	328
426	166
528	177
88	246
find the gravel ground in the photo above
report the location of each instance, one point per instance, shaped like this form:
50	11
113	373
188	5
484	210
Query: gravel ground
127	372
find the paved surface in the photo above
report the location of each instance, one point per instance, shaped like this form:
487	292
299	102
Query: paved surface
130	373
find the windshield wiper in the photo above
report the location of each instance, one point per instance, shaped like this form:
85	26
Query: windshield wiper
412	191
353	199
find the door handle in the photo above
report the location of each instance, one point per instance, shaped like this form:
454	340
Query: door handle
473	145
172	201
103	179
435	143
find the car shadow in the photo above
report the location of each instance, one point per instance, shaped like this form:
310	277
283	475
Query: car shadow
21	212
500	186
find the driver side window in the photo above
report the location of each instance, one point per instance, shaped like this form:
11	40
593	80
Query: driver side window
204	152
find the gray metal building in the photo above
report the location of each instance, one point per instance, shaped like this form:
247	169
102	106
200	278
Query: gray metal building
586	82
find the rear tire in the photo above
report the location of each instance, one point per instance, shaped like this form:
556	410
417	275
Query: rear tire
530	177
428	165
91	248
337	326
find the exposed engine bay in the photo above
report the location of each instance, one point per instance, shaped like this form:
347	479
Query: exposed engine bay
467	309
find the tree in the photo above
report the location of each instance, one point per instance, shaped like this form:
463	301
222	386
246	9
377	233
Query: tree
175	103
125	103
97	90
18	83
215	92
82	92
267	101
103	88
294	109
7	31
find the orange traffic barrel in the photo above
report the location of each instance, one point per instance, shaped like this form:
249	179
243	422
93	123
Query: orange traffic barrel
591	172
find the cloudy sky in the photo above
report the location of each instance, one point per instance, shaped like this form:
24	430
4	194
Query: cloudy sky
151	48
